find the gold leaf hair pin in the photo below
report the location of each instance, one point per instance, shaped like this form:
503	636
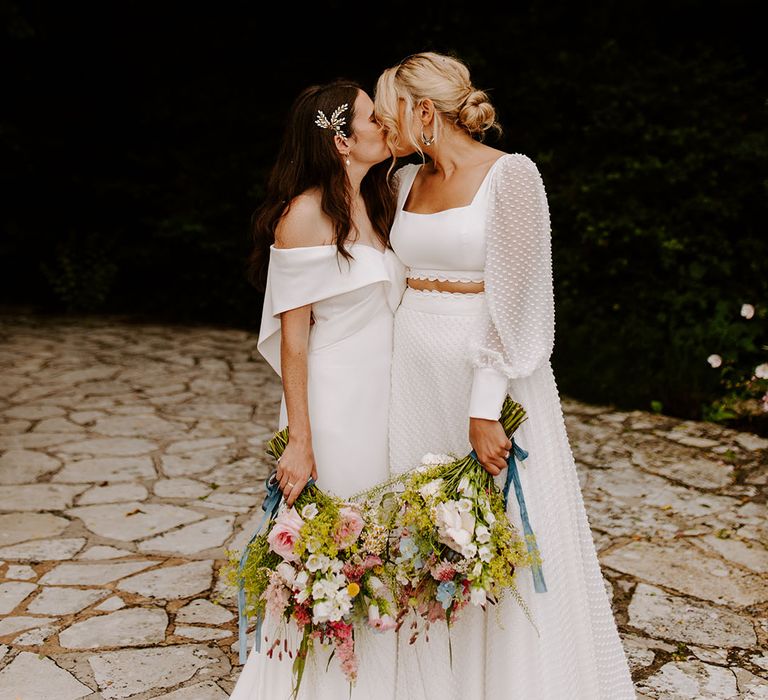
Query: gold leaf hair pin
336	121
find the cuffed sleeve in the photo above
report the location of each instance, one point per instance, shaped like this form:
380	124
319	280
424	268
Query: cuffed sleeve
489	387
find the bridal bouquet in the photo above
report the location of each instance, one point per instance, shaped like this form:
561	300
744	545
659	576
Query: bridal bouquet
318	565
452	543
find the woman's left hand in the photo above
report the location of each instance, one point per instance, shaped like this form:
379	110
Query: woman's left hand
490	443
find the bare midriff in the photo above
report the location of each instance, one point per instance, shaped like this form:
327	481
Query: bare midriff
442	286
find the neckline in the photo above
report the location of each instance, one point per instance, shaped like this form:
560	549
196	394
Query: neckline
333	246
442	211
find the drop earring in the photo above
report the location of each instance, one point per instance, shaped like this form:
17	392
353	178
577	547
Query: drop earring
427	141
346	159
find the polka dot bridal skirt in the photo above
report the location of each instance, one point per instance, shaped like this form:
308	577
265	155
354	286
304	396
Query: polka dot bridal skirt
572	649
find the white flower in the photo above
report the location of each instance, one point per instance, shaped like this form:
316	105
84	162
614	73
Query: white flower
287	573
477	596
747	310
456	527
317	562
464	505
312	545
477	570
465	488
484	552
490	518
336	566
431	488
715	360
322	611
301	580
482	534
302	595
761	371
309	511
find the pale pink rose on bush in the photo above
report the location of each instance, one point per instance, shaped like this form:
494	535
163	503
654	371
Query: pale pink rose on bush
284	533
349	528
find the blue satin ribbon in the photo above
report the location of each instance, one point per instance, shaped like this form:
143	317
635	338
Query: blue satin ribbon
269	506
513	477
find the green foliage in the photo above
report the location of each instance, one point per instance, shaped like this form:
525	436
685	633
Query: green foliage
82	272
653	171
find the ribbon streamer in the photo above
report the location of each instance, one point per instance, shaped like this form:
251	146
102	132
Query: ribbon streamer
513	477
269	506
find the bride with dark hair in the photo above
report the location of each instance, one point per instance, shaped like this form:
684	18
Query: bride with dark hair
331	284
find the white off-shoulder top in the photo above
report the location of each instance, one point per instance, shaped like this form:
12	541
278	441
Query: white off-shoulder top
503	237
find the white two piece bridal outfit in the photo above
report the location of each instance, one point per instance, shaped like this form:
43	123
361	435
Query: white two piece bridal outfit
450	356
457	355
348	388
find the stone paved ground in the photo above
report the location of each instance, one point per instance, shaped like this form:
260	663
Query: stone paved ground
131	456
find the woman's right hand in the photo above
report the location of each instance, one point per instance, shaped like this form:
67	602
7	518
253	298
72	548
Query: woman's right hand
490	443
295	466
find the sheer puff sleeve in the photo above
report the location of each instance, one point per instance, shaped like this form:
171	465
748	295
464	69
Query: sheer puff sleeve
519	331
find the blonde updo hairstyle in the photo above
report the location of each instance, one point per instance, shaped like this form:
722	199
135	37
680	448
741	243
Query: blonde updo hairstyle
443	79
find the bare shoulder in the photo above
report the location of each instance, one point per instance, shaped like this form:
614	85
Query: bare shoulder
304	224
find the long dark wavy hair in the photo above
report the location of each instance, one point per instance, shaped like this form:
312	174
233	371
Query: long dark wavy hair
309	158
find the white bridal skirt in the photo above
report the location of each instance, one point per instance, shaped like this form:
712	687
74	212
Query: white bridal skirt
574	650
348	387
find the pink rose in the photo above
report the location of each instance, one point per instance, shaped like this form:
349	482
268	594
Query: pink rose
284	533
350	527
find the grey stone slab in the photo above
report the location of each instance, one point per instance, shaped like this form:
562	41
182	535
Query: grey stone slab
194	462
752	555
109	446
201	610
19	527
672	617
30	677
171	582
92	574
19	623
127	672
34	637
190	539
201	634
199	691
33	412
129	426
181	488
101	551
38	497
25	466
694	680
683	567
57	425
116	493
113	603
44	550
57	600
751	442
12	593
106	469
129	627
133	520
20	572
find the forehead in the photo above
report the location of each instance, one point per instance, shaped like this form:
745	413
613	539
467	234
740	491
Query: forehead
363	103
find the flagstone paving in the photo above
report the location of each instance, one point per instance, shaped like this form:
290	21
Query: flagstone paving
132	457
